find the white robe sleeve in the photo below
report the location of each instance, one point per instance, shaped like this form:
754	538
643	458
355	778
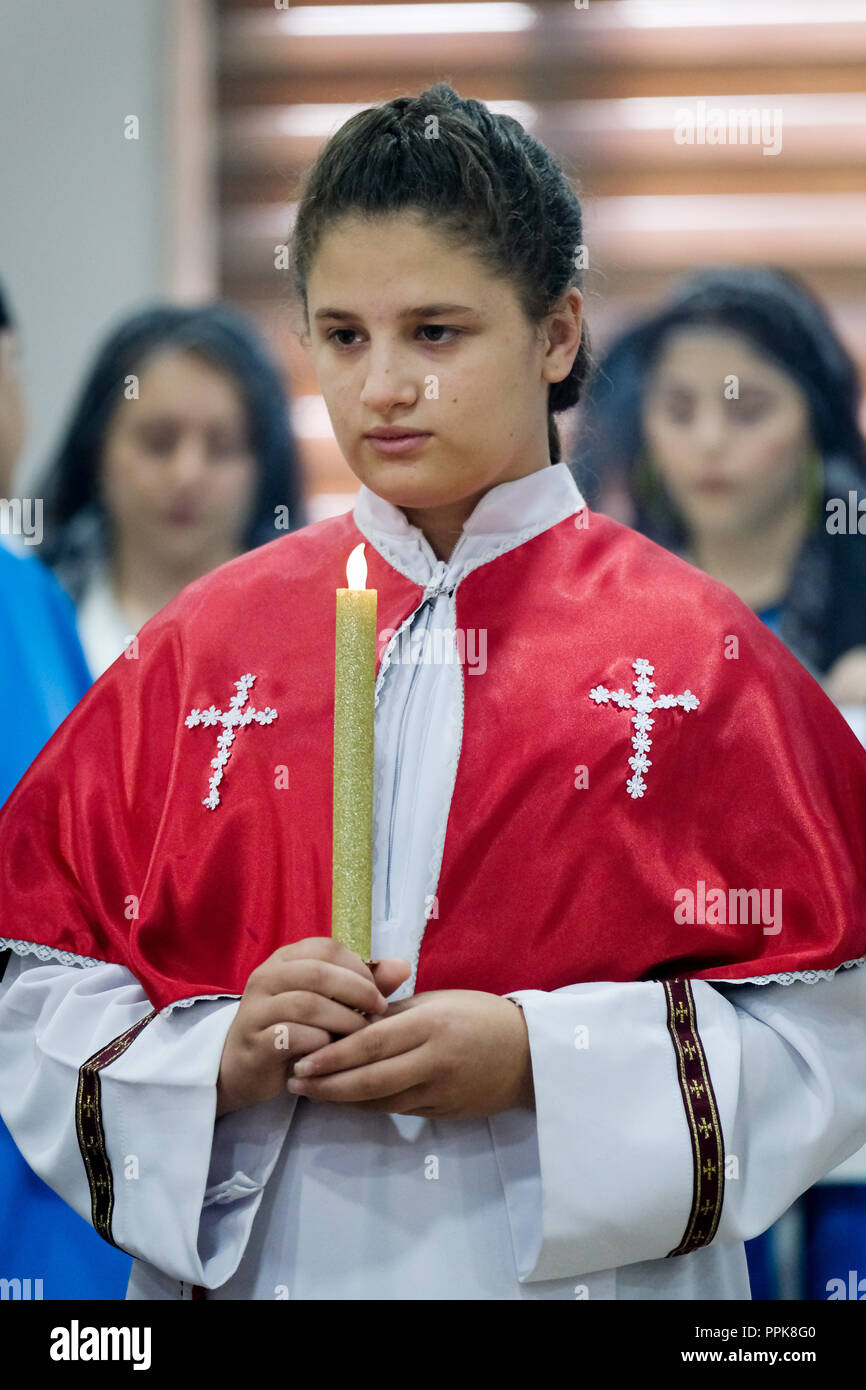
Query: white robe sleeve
610	1136
186	1185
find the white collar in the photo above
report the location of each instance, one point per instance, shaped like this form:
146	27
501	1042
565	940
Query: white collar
102	628
506	516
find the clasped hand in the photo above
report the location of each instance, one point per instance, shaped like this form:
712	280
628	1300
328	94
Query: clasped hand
454	1052
449	1052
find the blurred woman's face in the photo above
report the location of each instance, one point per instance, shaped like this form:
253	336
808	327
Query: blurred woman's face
179	474
729	465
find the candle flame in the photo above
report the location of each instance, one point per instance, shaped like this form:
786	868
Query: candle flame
356	568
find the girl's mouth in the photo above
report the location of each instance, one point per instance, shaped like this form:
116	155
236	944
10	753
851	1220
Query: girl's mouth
397	444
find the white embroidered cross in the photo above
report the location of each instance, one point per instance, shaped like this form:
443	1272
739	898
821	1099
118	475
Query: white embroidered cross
234	717
642	704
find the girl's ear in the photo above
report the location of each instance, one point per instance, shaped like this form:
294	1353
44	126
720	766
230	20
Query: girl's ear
564	332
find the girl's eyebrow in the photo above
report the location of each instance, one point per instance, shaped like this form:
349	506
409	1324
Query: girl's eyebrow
422	311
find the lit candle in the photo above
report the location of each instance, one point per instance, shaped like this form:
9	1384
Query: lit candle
354	693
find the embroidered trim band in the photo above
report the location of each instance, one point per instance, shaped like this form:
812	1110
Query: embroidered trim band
88	1125
699	1102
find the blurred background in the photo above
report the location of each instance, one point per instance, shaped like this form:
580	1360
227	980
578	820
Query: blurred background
233	99
149	168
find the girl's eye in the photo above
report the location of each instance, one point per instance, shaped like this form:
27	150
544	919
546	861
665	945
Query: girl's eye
227	446
439	328
425	328
332	336
679	411
747	411
158	438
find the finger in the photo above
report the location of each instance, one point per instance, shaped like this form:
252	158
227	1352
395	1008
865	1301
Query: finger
381	1038
314	1010
326	948
390	972
325	978
294	1040
386	1078
417	1100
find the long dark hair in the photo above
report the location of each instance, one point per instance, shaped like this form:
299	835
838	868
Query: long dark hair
824	614
782	319
6	319
482	181
74	519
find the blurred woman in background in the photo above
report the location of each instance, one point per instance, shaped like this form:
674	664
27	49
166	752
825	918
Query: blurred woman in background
725	428
178	457
43	674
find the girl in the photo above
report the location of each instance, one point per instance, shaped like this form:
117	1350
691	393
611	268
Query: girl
744	485
178	456
610	1018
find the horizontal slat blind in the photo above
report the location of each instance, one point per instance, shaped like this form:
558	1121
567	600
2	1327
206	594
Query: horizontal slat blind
606	86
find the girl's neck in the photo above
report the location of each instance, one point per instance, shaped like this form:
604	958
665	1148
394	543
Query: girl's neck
755	564
142	584
443	526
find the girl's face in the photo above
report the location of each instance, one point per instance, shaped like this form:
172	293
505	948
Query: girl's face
178	472
405	331
728	465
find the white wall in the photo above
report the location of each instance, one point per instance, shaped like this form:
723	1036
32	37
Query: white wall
83	211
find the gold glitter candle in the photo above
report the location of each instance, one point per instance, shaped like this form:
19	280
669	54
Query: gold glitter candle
354	692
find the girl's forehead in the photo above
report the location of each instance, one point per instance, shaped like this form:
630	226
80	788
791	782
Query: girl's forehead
401	244
394	271
692	344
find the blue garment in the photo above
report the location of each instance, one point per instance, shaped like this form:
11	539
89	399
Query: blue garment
835	1214
43	673
836	1241
772	618
760	1252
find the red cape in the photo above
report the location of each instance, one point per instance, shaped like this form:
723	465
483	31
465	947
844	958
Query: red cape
550	876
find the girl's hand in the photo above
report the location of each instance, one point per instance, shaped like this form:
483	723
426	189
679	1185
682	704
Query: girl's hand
293	1003
450	1052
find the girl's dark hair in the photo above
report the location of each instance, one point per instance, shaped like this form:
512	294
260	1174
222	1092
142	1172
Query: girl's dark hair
779	315
478	178
823	615
218	335
6	319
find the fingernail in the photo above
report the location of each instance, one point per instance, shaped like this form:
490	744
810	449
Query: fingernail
302	1068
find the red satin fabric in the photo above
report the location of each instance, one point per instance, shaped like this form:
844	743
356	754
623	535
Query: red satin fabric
106	850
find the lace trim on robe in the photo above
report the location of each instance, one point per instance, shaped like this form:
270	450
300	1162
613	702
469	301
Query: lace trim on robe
46	953
455	728
787	977
34	948
455	733
193	999
500	547
49	953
